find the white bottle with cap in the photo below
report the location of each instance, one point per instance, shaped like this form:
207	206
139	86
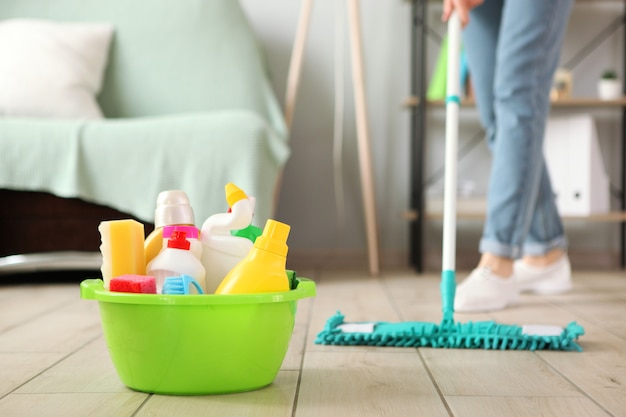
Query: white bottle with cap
221	251
176	260
192	233
172	209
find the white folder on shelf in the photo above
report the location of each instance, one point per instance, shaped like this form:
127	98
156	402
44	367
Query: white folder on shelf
576	167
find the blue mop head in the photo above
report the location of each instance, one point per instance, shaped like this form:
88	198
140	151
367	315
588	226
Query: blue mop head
471	335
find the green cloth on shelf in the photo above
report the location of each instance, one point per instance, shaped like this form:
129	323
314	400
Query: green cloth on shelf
437	86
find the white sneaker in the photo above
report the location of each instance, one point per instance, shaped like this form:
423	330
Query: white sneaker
484	291
552	279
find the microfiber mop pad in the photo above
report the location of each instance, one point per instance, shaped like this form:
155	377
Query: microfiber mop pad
471	335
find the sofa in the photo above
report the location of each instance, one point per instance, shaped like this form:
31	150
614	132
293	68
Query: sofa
106	103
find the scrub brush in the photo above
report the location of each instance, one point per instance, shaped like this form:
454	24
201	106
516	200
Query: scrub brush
180	285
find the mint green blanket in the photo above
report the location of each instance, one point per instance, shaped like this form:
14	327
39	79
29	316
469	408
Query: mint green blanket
125	163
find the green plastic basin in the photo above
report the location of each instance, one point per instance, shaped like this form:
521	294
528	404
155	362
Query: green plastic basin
197	344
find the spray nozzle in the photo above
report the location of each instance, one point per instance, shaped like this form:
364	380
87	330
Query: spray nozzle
178	240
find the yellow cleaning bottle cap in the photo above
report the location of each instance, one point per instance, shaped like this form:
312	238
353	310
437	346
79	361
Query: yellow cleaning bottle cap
274	237
233	194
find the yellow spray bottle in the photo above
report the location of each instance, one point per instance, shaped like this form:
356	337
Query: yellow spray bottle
264	268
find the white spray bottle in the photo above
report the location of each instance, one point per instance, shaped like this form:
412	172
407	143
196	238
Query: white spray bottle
176	260
172	208
221	251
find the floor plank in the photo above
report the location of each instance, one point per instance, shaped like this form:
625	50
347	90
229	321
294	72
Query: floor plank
41	299
599	371
61	330
71	404
477	372
91	369
490	406
366	383
18	368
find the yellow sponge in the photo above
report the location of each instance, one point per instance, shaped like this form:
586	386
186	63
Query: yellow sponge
122	249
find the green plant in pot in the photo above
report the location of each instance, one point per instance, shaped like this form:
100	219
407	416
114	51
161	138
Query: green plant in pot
609	75
609	86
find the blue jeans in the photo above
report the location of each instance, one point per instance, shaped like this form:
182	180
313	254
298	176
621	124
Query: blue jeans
513	49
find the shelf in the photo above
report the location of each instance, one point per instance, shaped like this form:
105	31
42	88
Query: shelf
475	208
571	102
589	102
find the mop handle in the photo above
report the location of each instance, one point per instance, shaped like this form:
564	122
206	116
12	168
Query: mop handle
453	101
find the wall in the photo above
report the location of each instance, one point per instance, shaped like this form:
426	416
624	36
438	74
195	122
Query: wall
326	229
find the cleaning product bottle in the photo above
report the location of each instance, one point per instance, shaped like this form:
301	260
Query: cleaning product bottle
264	268
192	233
221	251
172	208
175	260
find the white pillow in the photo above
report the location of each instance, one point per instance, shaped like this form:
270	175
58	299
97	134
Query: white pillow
52	69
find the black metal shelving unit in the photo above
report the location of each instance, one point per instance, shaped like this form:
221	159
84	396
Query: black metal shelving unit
418	130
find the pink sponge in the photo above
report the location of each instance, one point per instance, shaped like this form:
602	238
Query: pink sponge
133	283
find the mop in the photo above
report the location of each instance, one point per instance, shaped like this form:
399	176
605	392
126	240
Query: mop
448	334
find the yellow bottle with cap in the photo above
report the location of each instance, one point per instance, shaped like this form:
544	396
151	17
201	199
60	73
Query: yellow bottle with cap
264	268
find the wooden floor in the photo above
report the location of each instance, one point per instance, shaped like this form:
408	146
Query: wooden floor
54	361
